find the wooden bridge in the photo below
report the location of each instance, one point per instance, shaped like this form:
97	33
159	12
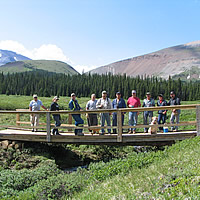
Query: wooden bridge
22	130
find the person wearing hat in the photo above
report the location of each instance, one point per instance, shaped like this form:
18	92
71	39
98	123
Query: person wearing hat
148	102
161	113
74	106
35	106
175	112
104	103
133	102
91	105
118	103
56	117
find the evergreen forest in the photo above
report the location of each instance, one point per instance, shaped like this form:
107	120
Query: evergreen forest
50	84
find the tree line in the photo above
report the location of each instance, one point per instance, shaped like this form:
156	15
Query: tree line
50	84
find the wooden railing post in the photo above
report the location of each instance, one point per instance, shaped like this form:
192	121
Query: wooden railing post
119	126
69	121
198	120
17	119
48	127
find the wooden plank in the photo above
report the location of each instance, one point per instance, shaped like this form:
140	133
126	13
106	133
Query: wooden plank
119	125
69	121
142	139
198	120
48	127
17	119
192	106
162	125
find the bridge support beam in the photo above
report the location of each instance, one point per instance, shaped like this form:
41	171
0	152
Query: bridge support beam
198	119
119	126
48	127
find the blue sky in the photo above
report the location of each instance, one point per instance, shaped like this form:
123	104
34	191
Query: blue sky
92	33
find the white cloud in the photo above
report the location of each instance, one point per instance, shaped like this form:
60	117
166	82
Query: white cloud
45	51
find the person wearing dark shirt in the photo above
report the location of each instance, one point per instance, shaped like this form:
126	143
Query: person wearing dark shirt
74	106
118	103
56	117
161	113
175	112
148	102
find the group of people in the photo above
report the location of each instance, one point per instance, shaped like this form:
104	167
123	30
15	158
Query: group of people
105	103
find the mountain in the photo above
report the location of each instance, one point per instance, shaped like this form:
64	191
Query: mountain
169	61
32	65
10	56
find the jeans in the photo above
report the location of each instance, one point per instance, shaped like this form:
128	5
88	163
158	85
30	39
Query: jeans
105	117
57	123
78	122
133	117
161	117
172	118
147	114
115	121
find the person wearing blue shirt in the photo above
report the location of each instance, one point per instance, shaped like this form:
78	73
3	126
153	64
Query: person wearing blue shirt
74	106
118	103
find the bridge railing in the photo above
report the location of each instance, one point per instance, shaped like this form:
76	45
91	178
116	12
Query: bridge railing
47	126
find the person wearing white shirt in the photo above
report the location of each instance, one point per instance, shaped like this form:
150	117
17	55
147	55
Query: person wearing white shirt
35	106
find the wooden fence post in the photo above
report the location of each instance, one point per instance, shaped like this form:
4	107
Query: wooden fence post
70	120
119	126
198	120
17	119
48	127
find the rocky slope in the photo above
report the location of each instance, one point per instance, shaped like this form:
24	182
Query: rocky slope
170	61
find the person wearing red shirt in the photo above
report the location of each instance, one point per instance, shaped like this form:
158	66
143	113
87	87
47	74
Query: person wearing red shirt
133	102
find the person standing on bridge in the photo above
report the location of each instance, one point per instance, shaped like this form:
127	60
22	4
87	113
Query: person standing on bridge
148	102
133	102
56	117
162	114
118	103
35	106
74	106
92	118
175	112
104	103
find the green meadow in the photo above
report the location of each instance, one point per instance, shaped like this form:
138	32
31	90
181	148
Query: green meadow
40	171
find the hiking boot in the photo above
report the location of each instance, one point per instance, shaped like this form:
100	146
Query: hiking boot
130	132
80	134
134	132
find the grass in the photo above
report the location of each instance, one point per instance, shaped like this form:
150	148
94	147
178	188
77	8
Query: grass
173	174
13	102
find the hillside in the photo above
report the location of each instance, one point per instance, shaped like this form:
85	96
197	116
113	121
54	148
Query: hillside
170	61
10	56
32	65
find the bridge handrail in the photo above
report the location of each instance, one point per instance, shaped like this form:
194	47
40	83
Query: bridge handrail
118	111
139	109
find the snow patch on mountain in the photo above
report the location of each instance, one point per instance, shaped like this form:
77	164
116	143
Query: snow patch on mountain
10	56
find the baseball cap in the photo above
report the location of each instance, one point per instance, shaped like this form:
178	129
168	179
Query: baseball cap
73	94
118	93
133	91
172	92
56	98
148	93
160	95
35	96
104	92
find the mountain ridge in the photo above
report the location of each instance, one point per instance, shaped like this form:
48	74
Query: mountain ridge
168	61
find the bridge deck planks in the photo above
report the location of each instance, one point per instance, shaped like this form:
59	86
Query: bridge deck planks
142	139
